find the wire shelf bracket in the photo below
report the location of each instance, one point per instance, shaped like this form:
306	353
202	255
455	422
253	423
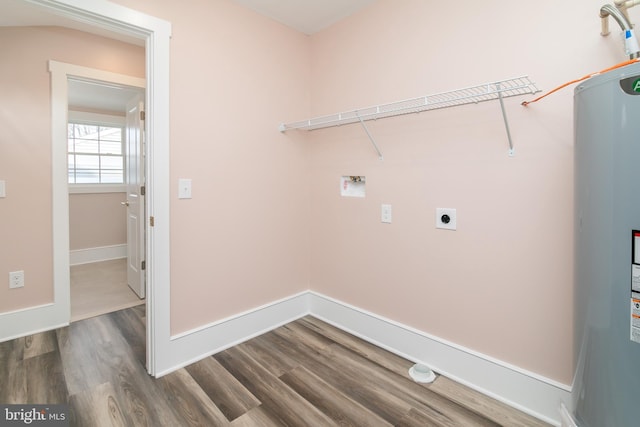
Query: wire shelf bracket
497	90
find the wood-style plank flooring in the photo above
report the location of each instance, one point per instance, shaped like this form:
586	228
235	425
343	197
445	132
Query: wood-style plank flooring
306	373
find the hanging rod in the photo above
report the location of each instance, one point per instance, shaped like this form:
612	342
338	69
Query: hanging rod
470	95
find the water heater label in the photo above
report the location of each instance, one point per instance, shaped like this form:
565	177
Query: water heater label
635	278
634	315
635	247
635	262
635	320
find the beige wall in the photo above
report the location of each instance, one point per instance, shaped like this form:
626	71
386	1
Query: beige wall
97	220
502	283
25	146
243	239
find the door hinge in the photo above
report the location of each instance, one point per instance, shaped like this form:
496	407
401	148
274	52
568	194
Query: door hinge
142	115
143	265
143	190
151	221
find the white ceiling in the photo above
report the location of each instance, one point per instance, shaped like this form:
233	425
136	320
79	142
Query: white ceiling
306	16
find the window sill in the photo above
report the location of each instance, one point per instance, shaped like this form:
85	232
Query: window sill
96	188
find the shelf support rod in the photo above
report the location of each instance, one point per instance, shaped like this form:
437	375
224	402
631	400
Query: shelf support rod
506	122
370	137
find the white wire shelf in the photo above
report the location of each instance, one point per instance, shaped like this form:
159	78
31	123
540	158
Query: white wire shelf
470	95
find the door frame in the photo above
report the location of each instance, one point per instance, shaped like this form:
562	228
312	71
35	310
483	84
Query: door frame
156	33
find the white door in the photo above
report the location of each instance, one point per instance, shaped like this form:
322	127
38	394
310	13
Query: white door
134	153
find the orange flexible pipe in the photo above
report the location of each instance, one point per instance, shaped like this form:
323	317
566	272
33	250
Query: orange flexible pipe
620	65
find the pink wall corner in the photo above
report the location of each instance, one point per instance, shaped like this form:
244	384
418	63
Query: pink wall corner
25	148
502	283
242	241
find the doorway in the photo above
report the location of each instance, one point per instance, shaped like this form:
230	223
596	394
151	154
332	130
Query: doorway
106	209
104	17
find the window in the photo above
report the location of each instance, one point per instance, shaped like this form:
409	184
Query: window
95	152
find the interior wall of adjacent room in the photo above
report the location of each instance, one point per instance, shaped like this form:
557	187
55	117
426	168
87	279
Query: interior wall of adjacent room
97	220
25	152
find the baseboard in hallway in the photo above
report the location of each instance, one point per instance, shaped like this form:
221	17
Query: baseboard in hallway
100	287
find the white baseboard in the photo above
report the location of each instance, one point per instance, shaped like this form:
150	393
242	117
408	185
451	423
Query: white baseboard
531	393
103	253
528	392
32	320
191	346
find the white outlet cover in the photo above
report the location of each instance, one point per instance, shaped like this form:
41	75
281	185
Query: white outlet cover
16	279
440	216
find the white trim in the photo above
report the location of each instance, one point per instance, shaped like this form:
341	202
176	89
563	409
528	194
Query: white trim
29	321
102	253
157	34
534	394
320	298
79	71
96	188
528	392
191	346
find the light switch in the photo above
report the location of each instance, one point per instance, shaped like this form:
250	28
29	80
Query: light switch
3	190
386	214
184	188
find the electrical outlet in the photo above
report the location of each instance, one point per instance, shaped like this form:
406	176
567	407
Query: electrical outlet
16	279
446	218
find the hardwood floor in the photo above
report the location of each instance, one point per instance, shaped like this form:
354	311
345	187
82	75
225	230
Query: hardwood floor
306	373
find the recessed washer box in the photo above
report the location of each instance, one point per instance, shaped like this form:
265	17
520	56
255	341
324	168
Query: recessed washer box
353	186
